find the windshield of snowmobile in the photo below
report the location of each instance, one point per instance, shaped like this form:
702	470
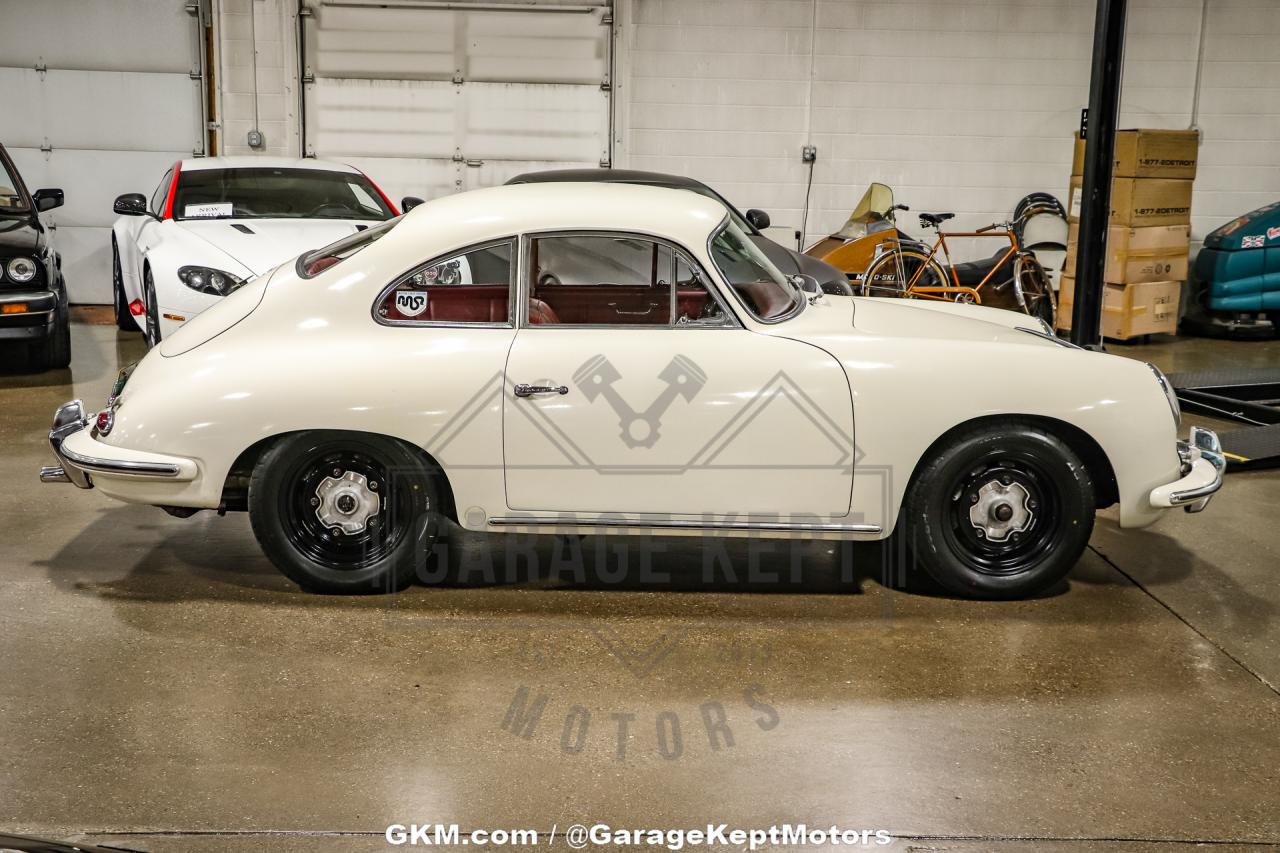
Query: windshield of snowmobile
873	209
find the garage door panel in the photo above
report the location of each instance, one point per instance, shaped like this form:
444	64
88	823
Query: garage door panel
383	118
86	263
492	173
92	179
99	109
536	121
430	101
481	45
402	176
93	34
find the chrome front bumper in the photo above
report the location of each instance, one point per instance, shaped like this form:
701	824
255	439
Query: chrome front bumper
1203	466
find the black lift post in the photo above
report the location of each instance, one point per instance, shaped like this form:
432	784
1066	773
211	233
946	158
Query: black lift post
1099	132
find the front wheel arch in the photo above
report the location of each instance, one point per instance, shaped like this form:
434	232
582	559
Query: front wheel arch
235	487
1081	443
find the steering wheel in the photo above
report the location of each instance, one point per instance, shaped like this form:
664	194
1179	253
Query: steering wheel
336	206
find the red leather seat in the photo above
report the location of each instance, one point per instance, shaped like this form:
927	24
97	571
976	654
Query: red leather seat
540	313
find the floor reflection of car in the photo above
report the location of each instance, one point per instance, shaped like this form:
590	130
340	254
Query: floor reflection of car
213	223
753	222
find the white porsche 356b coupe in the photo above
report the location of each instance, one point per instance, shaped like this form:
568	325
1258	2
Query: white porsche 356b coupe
577	358
215	222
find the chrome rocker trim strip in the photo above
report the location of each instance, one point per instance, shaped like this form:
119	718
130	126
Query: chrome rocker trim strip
675	524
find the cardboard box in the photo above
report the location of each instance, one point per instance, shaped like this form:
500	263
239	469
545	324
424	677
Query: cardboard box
1140	202
1129	310
1147	153
1138	255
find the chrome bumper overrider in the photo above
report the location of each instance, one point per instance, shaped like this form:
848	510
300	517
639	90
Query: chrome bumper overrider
74	468
69	418
1203	466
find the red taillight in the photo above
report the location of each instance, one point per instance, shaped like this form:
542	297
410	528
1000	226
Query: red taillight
136	308
106	419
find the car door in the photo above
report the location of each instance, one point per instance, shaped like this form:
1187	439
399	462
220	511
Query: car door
631	387
145	233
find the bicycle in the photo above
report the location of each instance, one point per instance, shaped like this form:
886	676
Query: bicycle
1011	278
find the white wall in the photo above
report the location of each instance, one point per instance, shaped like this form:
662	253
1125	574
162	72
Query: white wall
264	31
962	105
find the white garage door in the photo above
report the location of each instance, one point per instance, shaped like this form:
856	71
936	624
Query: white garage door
97	98
434	98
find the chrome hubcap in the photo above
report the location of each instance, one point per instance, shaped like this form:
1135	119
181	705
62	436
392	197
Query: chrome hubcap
346	502
1001	510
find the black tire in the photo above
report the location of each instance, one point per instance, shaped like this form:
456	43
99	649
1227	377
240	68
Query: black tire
124	320
54	351
151	332
285	509
1035	552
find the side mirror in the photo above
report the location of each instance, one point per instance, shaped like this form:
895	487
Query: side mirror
48	199
808	284
131	204
409	202
758	218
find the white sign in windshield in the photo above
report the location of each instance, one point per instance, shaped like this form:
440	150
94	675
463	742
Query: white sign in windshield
217	208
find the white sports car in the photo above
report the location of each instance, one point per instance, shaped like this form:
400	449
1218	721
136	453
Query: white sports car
214	223
580	358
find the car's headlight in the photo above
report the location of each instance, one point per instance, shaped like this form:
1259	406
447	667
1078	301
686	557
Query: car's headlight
210	281
21	270
1168	393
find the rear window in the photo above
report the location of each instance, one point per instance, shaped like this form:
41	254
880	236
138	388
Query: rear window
313	263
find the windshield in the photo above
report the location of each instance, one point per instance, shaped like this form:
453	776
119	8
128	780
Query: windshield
873	213
11	197
277	194
767	293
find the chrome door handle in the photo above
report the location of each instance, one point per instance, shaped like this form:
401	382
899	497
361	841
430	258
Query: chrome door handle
523	390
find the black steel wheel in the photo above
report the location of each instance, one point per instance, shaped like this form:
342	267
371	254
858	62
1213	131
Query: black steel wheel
152	330
344	512
124	320
999	511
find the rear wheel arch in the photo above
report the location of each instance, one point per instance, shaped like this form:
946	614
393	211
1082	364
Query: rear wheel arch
235	487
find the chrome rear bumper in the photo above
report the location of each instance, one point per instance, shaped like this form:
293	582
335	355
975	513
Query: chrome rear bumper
1203	466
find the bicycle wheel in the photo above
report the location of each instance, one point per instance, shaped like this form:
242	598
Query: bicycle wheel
1035	294
895	271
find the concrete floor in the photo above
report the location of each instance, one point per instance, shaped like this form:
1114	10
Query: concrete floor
165	688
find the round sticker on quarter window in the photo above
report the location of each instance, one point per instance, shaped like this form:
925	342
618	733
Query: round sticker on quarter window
411	303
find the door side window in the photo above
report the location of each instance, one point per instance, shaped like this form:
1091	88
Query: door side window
158	197
616	280
472	286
